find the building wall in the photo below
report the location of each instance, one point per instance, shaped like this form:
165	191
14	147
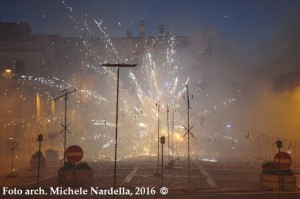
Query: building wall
70	59
23	54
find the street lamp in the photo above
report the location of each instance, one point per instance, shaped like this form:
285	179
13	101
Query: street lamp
168	134
172	157
117	111
7	73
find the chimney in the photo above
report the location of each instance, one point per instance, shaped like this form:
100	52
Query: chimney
142	28
161	29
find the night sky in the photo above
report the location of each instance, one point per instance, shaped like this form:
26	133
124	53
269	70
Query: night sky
255	57
246	20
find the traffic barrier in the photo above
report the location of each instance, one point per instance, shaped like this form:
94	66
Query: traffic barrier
270	182
297	182
75	177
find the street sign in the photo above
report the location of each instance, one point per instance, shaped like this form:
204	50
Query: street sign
74	153
162	140
279	144
285	160
40	138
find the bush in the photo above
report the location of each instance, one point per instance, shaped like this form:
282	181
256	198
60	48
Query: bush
270	168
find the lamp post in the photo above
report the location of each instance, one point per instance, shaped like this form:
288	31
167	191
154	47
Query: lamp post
157	167
117	111
162	141
13	147
168	133
172	156
12	156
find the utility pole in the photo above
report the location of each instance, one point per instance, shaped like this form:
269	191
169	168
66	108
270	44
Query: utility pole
117	111
188	133
295	156
65	96
172	156
158	110
168	133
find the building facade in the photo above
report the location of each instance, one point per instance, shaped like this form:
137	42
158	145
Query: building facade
36	67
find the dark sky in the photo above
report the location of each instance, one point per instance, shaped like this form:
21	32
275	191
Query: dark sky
244	19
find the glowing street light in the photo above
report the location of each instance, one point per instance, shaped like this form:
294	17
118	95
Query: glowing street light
7	73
